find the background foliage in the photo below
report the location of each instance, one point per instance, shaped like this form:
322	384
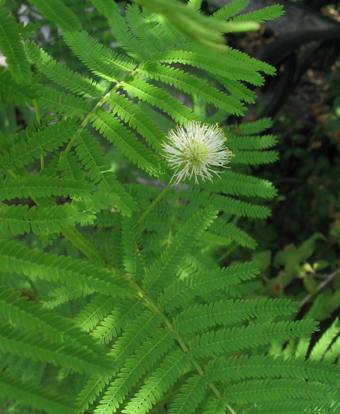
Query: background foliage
120	293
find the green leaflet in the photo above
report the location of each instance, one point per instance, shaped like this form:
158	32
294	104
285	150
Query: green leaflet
255	157
231	9
295	406
239	368
229	231
215	406
102	61
93	312
156	385
68	355
93	160
40	186
30	145
181	292
239	143
192	85
119	27
189	396
34	396
200	317
33	318
158	98
12	92
262	15
11	46
22	219
327	345
136	366
50	99
129	145
230	340
238	208
135	332
228	67
172	257
269	391
19	259
242	185
61	74
250	128
135	117
141	31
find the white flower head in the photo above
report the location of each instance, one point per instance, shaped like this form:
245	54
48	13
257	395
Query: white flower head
196	150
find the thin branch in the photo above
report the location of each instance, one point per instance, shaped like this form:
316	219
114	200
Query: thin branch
320	287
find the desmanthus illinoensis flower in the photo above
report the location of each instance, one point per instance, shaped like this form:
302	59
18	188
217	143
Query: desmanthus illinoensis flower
196	150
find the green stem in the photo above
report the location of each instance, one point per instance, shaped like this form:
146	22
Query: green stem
36	111
42	162
82	244
75	237
154	203
154	307
38	119
227	252
87	118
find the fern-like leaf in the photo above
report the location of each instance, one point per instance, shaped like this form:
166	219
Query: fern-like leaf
279	391
64	354
19	259
123	139
230	232
231	9
21	219
228	67
181	292
58	102
165	267
101	60
192	85
31	145
253	336
246	367
34	396
12	48
119	27
156	385
238	208
61	74
254	157
98	167
200	317
136	118
261	15
160	99
136	331
242	185
36	186
145	358
254	142
189	396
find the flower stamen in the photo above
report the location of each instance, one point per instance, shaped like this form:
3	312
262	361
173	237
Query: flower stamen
196	150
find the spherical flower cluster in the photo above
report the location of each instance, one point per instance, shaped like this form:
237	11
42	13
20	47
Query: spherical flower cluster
196	151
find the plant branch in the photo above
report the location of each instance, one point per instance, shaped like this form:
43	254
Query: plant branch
152	205
319	288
